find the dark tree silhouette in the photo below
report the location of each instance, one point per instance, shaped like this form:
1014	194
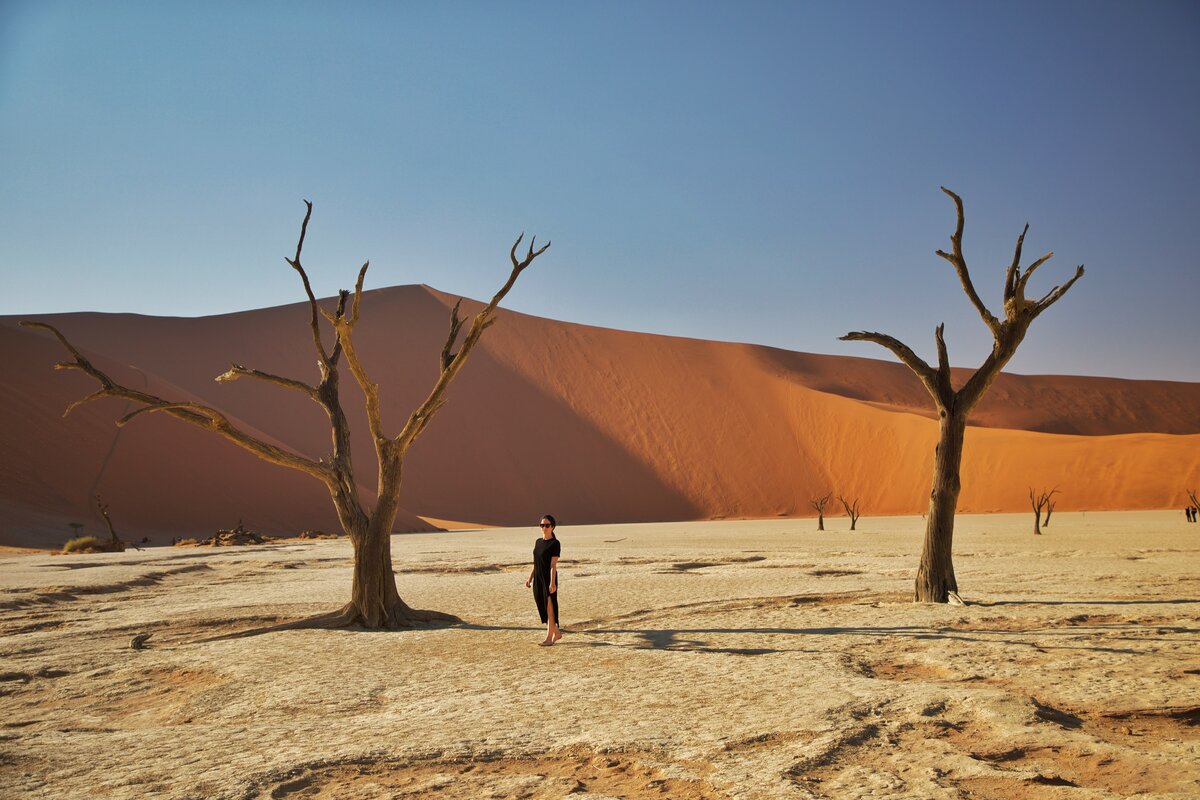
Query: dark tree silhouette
1039	502
851	510
818	504
935	575
374	599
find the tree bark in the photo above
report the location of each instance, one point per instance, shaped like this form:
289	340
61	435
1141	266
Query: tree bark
935	575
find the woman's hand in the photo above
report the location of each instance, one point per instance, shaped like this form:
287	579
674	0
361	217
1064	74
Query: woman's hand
529	582
553	587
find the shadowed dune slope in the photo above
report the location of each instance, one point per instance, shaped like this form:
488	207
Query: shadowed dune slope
592	424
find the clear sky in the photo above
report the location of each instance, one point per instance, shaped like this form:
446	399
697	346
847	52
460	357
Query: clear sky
757	172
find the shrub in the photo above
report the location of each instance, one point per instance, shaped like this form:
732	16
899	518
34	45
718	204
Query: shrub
82	544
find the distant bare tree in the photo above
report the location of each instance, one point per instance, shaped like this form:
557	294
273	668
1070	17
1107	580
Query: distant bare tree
374	600
818	504
115	544
935	576
1039	502
1191	493
1050	503
851	510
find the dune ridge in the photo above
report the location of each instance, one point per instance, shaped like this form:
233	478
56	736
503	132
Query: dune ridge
597	425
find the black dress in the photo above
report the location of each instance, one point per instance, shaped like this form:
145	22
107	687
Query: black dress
544	550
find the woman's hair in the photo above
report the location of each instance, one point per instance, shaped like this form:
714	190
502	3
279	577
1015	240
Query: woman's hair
553	521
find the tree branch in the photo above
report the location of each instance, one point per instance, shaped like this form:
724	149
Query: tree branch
236	371
960	266
1055	294
312	300
455	324
1010	278
943	371
903	352
421	416
194	413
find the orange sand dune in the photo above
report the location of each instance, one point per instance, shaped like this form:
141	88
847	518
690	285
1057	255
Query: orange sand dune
592	424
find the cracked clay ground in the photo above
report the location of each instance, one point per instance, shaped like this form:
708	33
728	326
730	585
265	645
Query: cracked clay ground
733	659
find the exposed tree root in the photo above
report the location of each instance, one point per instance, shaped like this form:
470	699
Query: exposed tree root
349	617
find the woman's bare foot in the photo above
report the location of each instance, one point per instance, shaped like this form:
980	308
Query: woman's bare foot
547	643
557	635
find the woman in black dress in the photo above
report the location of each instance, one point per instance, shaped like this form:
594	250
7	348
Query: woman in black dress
544	579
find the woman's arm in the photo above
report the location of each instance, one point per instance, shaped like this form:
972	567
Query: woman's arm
553	574
529	581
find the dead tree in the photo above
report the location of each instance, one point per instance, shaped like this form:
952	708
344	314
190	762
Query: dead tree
935	576
1049	510
1039	502
1195	503
851	510
115	544
818	504
374	599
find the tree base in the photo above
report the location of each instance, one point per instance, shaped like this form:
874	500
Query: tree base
402	617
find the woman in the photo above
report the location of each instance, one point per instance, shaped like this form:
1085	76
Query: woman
544	579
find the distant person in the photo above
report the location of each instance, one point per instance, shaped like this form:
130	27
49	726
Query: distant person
544	579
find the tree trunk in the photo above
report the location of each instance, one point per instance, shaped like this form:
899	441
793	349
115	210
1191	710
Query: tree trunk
935	576
820	522
374	601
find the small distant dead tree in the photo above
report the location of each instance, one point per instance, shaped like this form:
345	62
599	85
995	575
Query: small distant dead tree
1191	493
851	510
935	576
818	504
76	527
374	599
115	544
1039	502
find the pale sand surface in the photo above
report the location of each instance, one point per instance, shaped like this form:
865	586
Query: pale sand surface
702	660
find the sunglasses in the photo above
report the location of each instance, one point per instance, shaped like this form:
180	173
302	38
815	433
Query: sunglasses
545	525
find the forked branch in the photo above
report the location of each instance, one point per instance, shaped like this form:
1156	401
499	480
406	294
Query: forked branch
453	363
960	266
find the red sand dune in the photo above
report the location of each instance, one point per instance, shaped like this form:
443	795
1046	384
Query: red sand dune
592	424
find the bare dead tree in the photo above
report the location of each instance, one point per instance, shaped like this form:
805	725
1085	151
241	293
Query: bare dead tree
935	576
1039	502
115	544
1191	493
851	510
1050	503
818	504
374	599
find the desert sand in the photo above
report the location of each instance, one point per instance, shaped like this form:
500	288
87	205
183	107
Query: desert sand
734	659
601	425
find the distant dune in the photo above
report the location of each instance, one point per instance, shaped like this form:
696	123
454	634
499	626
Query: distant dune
592	424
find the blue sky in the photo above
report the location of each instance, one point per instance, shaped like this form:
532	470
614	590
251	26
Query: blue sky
757	172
